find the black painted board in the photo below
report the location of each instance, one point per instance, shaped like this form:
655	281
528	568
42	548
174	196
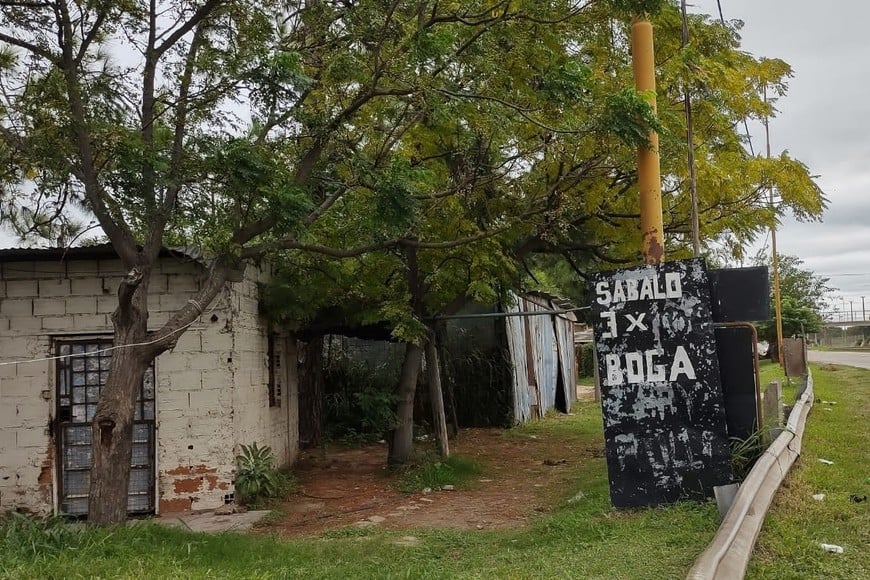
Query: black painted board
737	369
664	419
740	294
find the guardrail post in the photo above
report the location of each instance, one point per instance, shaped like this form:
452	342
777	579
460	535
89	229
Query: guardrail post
772	417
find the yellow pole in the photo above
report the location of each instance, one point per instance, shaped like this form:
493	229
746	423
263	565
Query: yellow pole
648	170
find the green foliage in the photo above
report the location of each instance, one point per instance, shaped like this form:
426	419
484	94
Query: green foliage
433	145
629	116
434	473
803	294
360	399
745	452
587	361
257	480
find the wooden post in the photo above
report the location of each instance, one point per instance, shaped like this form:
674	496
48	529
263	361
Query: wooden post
772	417
436	398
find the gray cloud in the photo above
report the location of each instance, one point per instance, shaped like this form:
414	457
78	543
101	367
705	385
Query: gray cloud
821	122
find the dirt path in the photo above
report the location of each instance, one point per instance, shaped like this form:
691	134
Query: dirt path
522	475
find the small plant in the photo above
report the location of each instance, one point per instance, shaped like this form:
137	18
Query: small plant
257	479
436	473
745	452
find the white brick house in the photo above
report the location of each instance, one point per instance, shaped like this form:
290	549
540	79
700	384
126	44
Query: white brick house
226	383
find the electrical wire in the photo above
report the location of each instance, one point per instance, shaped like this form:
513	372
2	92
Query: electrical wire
745	122
111	348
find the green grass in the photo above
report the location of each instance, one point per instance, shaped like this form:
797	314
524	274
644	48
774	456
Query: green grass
435	473
788	547
583	537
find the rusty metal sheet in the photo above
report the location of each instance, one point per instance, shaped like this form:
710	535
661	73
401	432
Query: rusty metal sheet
795	357
516	335
545	354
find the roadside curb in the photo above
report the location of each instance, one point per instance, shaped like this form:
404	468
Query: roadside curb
727	556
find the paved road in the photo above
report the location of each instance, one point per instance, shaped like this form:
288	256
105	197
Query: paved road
852	359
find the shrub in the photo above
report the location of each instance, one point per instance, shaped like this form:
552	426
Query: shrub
257	479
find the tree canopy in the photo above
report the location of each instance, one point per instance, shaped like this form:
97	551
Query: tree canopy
804	297
436	147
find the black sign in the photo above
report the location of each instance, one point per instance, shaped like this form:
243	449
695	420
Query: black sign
740	294
664	420
737	366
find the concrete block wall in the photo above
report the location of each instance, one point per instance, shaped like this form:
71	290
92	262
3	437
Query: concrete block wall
254	420
212	392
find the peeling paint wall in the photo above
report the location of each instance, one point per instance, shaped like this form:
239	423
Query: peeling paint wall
254	421
212	391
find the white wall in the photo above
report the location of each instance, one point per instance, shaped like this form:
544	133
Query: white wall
211	388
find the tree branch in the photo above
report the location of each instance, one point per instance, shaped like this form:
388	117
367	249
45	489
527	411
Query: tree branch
47	55
202	13
117	231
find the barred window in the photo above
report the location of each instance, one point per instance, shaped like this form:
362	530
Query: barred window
276	371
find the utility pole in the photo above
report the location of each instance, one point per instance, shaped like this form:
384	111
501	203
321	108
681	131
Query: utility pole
648	167
863	310
852	311
690	144
777	298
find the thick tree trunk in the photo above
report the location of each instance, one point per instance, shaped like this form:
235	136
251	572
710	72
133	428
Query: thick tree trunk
311	393
402	441
112	433
436	399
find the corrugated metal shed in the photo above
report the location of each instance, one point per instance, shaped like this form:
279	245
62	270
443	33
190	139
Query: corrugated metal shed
542	352
512	367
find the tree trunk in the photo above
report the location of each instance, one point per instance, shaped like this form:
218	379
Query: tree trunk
311	394
402	440
436	399
112	430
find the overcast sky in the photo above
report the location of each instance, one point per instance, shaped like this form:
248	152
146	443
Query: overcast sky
824	121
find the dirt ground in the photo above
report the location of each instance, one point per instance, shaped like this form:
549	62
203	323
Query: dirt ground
522	475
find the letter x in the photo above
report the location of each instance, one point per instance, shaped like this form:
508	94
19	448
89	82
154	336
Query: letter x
636	322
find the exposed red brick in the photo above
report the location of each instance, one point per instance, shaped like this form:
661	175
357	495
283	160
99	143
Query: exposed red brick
188	485
174	505
191	470
46	474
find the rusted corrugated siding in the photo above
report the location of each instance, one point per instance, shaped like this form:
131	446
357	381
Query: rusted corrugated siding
522	393
546	342
545	352
565	343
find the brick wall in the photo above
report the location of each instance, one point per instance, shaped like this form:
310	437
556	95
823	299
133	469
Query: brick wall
212	392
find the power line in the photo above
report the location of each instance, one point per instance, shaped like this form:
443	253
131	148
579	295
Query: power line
745	122
111	348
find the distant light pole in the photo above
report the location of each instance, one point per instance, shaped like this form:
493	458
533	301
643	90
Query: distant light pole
863	310
852	310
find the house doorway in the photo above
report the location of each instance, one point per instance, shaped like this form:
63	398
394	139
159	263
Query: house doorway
81	374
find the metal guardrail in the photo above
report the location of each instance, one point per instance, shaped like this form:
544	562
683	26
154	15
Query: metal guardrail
727	556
